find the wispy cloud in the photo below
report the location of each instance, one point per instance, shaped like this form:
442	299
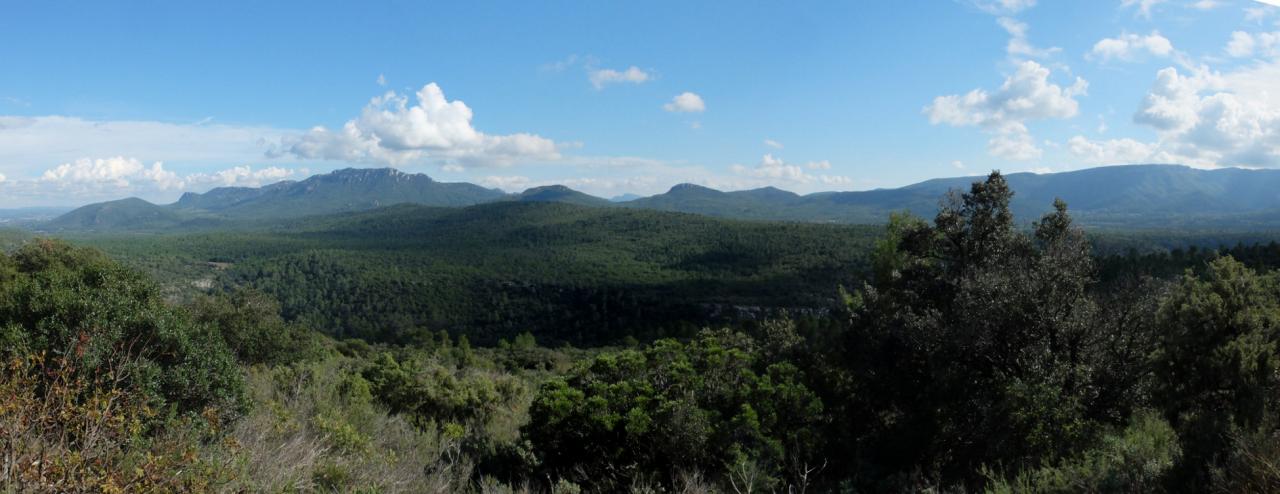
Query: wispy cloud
602	77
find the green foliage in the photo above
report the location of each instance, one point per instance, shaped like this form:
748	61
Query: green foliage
978	344
1217	363
978	356
250	324
673	407
1133	460
318	426
87	312
586	276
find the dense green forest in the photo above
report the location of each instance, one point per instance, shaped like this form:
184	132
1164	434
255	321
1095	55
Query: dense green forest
574	274
522	347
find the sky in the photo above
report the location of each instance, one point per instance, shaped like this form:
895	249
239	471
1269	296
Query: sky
105	100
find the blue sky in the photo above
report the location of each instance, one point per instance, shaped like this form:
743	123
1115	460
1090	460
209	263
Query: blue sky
106	100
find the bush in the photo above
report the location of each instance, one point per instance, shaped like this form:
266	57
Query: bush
86	312
63	430
708	405
250	323
1134	460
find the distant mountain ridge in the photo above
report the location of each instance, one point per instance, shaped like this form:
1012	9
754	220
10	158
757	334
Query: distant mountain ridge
344	190
1113	196
1124	196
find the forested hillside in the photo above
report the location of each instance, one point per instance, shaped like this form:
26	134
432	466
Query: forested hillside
568	273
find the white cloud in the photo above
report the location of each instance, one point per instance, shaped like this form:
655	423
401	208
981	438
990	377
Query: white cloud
773	144
1206	4
1025	96
1145	7
1212	119
89	179
686	102
560	65
602	77
1173	100
957	164
509	183
774	170
1243	44
242	176
1129	47
591	185
1018	45
1109	152
382	80
1014	142
1258	14
32	143
118	172
1003	7
391	131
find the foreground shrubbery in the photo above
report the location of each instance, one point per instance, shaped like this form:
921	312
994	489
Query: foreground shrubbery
712	405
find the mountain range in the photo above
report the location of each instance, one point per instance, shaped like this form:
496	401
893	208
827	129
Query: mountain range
1126	196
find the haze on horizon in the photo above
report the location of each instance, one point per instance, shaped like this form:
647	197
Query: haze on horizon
109	100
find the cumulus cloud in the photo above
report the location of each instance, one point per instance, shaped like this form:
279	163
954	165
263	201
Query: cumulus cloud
88	179
1145	7
118	172
391	131
243	176
1129	47
1025	96
1110	151
686	102
509	183
602	77
773	144
1215	119
1243	44
1014	142
1173	101
1260	13
1018	45
773	170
